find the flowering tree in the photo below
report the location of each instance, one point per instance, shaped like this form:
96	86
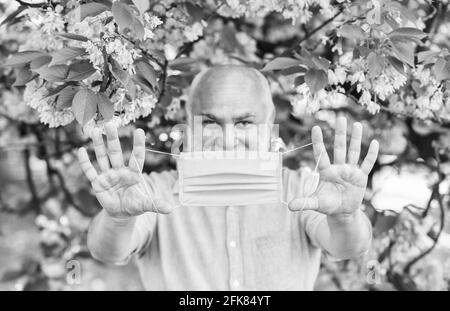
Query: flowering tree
71	65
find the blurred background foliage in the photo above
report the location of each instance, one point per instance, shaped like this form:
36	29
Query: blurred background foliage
68	66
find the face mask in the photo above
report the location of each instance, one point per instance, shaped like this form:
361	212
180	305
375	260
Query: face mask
222	178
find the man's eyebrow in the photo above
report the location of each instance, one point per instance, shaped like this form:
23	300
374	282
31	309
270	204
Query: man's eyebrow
245	116
208	115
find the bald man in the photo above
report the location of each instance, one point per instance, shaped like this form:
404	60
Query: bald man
253	247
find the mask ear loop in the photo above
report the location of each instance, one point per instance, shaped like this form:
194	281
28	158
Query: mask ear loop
145	185
315	172
291	150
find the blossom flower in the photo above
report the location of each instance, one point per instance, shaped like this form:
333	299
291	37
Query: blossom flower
336	76
95	55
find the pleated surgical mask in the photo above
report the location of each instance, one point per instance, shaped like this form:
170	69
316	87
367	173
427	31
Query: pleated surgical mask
220	178
223	178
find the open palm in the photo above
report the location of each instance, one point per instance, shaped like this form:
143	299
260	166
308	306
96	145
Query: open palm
121	190
342	184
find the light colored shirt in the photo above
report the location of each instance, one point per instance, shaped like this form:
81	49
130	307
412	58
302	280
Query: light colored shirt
254	247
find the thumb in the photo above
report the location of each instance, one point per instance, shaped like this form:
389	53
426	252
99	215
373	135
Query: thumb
304	203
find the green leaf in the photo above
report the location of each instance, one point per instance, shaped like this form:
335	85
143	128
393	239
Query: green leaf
22	58
442	69
145	70
316	79
40	61
84	105
73	36
408	32
375	63
105	106
65	55
280	63
80	70
65	96
23	76
404	51
56	73
351	32
90	9
122	15
142	5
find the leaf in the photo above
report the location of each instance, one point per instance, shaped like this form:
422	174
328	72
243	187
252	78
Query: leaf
40	61
84	105
142	5
316	79
80	70
397	64
321	63
118	72
105	106
143	83
408	32
56	73
293	70
229	41
195	12
299	80
66	54
22	58
281	63
137	28
73	37
426	56
13	15
442	69
182	64
90	9
375	63
145	70
23	76
404	51
122	15
351	32
65	97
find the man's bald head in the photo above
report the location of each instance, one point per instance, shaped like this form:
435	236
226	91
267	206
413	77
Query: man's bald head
235	89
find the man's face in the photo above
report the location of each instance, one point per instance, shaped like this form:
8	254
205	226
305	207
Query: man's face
234	113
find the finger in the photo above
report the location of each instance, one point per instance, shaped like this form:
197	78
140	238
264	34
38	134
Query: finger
355	144
86	165
100	150
114	149
371	157
136	162
304	203
322	160
340	141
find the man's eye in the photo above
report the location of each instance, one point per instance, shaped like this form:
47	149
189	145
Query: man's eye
243	123
208	122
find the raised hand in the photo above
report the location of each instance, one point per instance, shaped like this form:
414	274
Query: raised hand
342	184
121	190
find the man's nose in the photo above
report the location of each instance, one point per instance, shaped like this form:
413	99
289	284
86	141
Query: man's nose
229	138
